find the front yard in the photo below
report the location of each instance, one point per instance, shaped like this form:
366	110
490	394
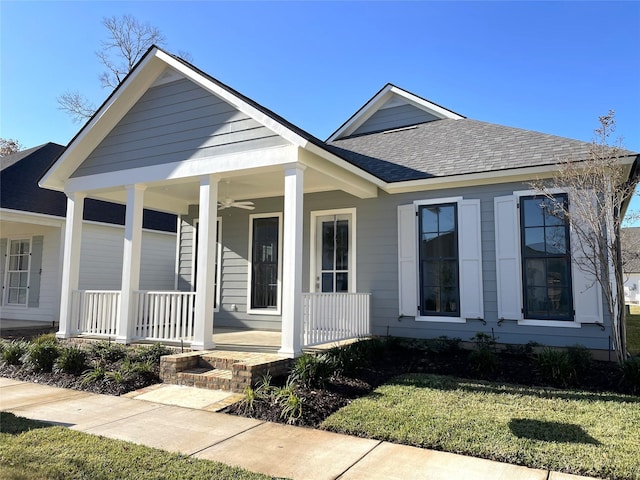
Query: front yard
572	431
633	334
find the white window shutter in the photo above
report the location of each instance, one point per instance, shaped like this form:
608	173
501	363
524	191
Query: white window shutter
470	253
407	260
587	295
508	258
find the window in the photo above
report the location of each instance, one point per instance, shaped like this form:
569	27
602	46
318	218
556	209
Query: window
439	285
265	265
546	260
17	281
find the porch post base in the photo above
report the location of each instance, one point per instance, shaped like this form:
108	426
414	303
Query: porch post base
62	335
123	340
203	346
288	353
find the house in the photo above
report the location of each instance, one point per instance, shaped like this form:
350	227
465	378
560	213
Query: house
410	220
631	267
32	235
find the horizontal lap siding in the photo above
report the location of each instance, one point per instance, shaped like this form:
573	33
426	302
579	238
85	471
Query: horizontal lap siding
175	122
394	117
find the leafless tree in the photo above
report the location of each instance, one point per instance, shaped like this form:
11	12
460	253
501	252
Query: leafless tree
127	41
9	146
599	188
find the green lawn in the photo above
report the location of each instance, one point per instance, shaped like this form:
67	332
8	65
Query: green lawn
563	430
633	334
33	451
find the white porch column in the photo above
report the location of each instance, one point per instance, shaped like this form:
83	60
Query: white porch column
206	264
71	263
292	262
130	261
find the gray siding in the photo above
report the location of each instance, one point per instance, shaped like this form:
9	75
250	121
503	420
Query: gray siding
394	117
174	122
377	269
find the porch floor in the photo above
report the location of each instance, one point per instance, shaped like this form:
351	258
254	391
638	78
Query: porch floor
246	340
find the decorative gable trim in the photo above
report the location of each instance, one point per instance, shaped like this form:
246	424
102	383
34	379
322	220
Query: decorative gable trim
390	96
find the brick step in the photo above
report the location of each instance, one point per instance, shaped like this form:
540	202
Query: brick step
202	377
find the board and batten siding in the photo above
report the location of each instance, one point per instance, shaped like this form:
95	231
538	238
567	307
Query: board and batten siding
394	117
101	258
48	304
174	122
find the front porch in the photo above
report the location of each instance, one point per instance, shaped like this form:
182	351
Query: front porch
168	317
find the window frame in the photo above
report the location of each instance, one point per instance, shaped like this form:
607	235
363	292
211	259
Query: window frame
7	271
437	317
277	310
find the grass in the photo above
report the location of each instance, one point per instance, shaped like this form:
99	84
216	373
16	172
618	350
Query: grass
633	334
563	430
32	450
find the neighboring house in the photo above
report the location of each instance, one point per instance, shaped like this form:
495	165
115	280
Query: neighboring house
410	220
631	256
32	235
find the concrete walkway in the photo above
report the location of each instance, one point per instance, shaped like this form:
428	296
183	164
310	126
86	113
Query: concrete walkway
154	417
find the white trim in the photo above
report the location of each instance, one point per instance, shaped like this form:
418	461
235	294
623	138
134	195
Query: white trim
9	215
314	247
5	293
264	311
550	323
121	227
176	271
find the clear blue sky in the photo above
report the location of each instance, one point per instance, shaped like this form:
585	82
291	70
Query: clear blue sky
553	67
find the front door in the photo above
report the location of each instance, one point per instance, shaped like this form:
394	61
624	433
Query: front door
334	253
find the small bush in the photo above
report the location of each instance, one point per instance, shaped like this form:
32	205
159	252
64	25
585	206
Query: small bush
631	374
47	338
579	358
42	355
151	354
312	370
72	360
14	351
107	352
555	367
483	358
94	374
289	401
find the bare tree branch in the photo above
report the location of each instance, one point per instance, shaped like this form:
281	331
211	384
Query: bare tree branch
598	188
9	146
76	105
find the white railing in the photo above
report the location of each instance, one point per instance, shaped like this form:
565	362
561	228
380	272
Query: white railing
331	317
95	312
164	315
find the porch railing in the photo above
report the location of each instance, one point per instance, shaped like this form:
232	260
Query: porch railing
95	312
165	316
331	317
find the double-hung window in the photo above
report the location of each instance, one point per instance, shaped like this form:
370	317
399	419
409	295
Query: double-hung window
546	259
17	282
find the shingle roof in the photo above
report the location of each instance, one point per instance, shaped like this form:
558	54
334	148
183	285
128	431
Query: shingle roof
19	174
631	249
452	147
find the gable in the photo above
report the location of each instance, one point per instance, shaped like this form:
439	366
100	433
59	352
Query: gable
392	116
173	122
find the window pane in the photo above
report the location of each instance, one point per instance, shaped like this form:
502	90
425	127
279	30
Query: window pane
537	301
447	243
22	296
327	282
535	272
450	300
13	295
532	209
555	240
534	241
342	282
328	237
553	213
429	219
342	245
447	219
430	273
559	302
264	278
430	245
558	272
431	299
449	273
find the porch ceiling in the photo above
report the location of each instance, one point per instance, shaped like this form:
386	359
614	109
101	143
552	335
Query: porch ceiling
174	196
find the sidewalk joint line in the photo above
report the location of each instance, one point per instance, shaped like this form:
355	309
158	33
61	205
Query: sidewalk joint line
360	459
227	438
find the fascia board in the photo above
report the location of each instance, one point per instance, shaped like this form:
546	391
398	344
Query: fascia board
482	178
107	117
233	100
21	216
152	201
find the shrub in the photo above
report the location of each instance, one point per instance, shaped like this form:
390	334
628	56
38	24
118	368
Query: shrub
289	401
45	338
72	360
13	352
483	358
631	374
42	355
94	374
151	354
579	358
312	370
555	367
107	351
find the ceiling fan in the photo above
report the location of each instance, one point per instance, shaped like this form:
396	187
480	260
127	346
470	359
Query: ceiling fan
228	202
